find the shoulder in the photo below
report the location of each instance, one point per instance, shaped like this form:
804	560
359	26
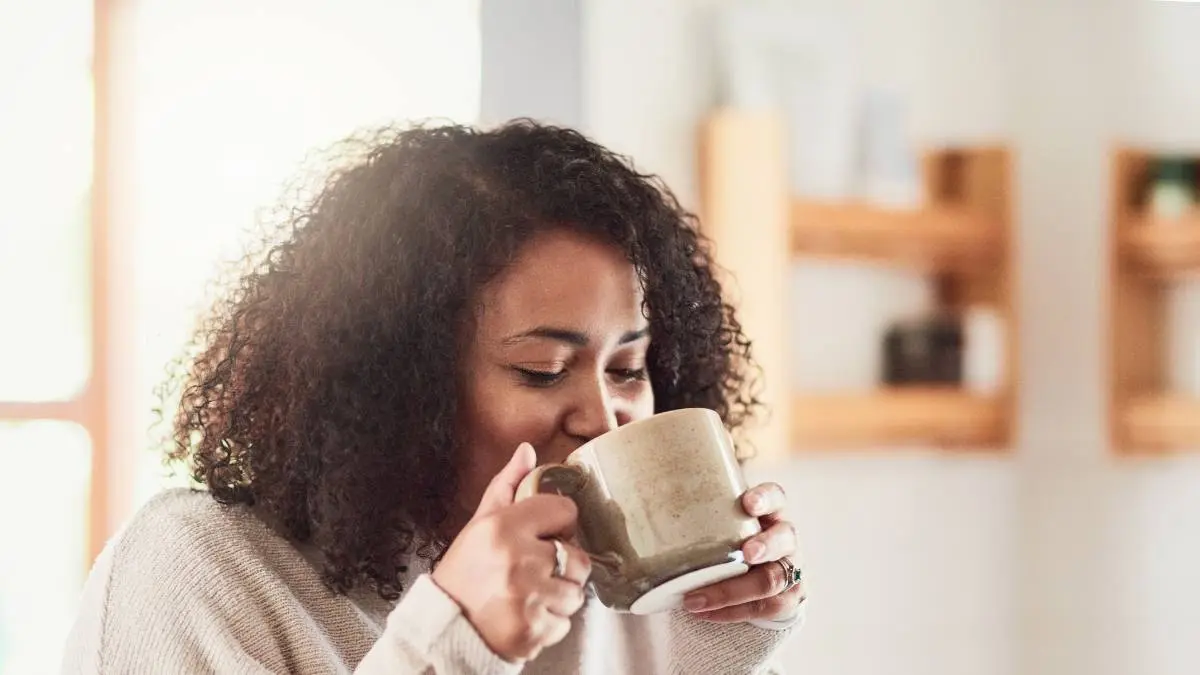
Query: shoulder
189	581
183	543
182	521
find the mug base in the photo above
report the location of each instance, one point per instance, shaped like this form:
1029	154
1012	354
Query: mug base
669	594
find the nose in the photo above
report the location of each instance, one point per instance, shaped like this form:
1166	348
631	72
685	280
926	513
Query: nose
594	412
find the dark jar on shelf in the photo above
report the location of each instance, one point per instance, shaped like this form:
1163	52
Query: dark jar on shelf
924	351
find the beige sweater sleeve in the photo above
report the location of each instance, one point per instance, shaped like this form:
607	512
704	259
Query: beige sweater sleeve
680	644
174	594
193	588
427	633
166	609
705	647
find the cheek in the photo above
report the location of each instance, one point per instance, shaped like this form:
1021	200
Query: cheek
497	417
515	415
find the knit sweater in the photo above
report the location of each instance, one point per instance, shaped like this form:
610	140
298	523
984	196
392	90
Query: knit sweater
191	586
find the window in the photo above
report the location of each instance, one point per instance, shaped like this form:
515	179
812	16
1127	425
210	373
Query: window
46	173
198	112
44	556
50	391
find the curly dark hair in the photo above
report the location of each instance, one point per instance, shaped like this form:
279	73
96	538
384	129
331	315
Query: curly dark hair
323	388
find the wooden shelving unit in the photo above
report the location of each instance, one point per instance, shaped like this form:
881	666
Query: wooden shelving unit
940	416
1147	254
1161	248
1158	422
932	239
962	238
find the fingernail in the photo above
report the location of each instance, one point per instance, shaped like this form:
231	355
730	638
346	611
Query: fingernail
754	552
755	501
694	602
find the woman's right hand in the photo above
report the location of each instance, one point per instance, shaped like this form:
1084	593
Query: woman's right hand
500	567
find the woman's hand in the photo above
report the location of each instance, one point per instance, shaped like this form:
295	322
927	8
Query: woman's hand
765	592
500	568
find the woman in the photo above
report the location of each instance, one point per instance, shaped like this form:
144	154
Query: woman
451	308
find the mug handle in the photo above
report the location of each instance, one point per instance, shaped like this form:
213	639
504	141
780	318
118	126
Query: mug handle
531	484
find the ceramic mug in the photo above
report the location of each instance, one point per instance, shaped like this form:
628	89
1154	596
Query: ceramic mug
660	509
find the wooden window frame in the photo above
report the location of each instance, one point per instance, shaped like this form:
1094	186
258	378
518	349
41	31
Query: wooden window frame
92	407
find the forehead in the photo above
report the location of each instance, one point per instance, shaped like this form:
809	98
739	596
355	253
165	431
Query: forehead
564	279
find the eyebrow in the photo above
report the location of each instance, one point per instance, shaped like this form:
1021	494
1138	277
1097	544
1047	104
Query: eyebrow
571	337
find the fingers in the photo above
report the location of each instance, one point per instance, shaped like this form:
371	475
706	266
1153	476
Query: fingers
765	501
561	597
544	630
542	516
775	607
773	543
579	565
760	589
500	568
500	490
538	628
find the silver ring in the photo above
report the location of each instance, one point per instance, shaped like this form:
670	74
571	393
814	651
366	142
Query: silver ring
791	573
560	559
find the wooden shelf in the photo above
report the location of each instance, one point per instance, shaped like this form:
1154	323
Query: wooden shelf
1159	247
1161	422
932	238
947	417
1146	253
962	236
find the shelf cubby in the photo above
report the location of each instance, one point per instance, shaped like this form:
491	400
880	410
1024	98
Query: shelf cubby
1148	255
961	236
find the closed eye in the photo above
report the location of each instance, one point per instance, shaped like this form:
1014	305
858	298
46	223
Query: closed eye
627	374
539	378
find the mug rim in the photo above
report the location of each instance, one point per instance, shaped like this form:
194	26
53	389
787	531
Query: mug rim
655	417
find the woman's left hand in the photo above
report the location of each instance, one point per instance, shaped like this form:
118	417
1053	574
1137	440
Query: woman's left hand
763	592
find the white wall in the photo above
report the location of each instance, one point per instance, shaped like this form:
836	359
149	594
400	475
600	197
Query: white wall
1061	558
1110	545
530	58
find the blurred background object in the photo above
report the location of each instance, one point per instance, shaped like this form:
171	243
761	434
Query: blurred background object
1013	178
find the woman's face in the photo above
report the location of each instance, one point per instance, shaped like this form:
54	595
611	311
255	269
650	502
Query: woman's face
559	356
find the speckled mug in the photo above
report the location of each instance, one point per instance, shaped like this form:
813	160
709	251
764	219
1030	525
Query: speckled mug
660	509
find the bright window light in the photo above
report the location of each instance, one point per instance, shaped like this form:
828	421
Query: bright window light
226	103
